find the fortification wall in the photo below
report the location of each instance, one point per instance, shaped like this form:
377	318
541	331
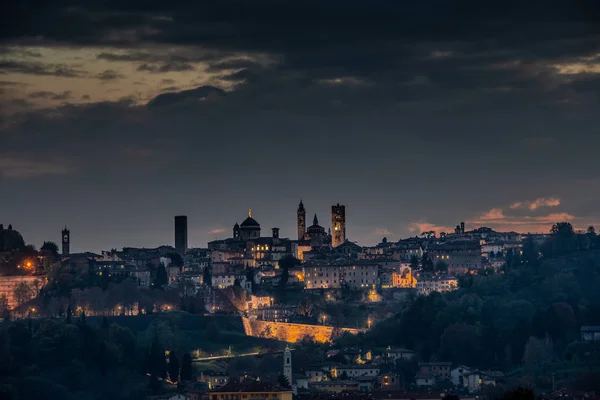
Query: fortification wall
293	333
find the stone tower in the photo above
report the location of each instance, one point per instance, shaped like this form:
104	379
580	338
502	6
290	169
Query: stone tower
338	225
287	364
66	241
301	220
181	238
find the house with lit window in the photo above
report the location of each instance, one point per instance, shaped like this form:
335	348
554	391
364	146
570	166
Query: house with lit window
251	390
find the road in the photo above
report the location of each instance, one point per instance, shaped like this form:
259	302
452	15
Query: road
236	356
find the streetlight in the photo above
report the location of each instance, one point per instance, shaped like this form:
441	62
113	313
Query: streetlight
369	323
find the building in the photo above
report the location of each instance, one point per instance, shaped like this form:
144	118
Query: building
456	374
66	241
287	365
250	390
354	371
360	275
301	220
322	276
181	237
404	278
460	255
336	386
473	380
214	380
439	370
8	284
338	225
436	284
355	276
393	354
590	333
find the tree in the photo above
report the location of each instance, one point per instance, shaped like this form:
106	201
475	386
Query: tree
69	312
427	263
414	262
50	247
176	259
173	367
161	279
23	293
537	352
186	367
562	228
591	231
441	267
283	381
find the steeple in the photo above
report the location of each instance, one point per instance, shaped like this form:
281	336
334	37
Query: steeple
315	220
301	205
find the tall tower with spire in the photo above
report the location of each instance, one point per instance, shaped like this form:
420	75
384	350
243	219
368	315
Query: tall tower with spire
66	241
301	220
287	365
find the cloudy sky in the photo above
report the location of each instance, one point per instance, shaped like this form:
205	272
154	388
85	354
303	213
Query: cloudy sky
117	115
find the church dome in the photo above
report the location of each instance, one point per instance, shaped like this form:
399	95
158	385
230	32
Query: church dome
250	223
10	239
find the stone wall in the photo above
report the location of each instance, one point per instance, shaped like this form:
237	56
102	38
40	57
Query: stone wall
8	284
293	333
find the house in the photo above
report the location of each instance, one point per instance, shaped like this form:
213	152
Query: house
438	369
213	379
315	374
425	380
336	386
354	371
366	383
457	373
248	389
473	380
390	381
590	333
393	354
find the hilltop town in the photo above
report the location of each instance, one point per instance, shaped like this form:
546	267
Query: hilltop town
472	312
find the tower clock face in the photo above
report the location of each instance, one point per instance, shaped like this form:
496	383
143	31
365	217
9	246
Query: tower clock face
66	238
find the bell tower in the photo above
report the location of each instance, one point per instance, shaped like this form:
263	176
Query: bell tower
301	220
287	365
66	241
338	225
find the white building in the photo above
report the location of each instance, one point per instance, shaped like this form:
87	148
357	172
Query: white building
436	284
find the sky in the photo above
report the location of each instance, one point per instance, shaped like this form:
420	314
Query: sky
115	116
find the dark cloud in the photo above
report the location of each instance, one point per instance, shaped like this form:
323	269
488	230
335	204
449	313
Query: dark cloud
170	67
109	75
320	96
186	96
38	68
50	95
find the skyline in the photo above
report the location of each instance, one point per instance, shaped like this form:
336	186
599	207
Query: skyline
198	237
115	117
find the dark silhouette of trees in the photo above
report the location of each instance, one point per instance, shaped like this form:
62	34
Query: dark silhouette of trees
173	367
50	247
161	279
282	380
186	367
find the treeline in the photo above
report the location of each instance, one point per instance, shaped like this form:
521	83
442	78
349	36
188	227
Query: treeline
71	359
526	316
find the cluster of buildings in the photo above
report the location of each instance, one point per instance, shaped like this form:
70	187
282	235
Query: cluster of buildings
361	371
318	258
